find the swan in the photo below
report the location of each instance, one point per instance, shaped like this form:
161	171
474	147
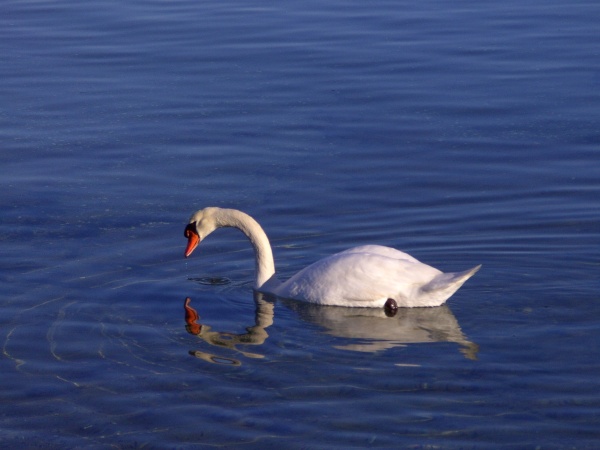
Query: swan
364	276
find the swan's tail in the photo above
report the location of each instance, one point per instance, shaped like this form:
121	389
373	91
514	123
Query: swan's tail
441	288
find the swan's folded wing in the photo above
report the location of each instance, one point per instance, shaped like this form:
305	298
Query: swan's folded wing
354	278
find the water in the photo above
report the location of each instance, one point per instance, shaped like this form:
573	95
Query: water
462	134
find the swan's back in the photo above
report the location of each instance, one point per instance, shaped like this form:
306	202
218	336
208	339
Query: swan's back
381	250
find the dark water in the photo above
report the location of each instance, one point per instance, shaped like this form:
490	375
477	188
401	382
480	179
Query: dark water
462	133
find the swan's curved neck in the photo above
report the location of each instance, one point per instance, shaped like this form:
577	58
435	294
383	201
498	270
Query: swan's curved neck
265	265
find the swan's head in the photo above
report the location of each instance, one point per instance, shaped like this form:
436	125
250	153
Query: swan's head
201	224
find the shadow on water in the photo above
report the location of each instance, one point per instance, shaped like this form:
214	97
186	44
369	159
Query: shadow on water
371	328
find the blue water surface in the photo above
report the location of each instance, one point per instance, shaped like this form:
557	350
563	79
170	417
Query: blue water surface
464	133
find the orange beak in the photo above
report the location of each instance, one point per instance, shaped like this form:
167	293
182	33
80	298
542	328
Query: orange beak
193	239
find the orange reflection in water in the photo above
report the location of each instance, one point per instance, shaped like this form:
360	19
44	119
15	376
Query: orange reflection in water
191	318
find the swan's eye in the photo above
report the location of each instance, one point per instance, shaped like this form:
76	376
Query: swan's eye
190	229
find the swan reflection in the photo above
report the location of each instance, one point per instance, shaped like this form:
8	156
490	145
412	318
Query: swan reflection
372	329
375	330
255	335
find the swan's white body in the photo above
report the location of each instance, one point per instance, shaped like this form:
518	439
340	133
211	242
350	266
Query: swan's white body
365	276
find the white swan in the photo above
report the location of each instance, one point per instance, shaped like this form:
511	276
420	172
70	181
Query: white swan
365	276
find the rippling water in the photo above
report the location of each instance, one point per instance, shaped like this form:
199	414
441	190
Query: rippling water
463	134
